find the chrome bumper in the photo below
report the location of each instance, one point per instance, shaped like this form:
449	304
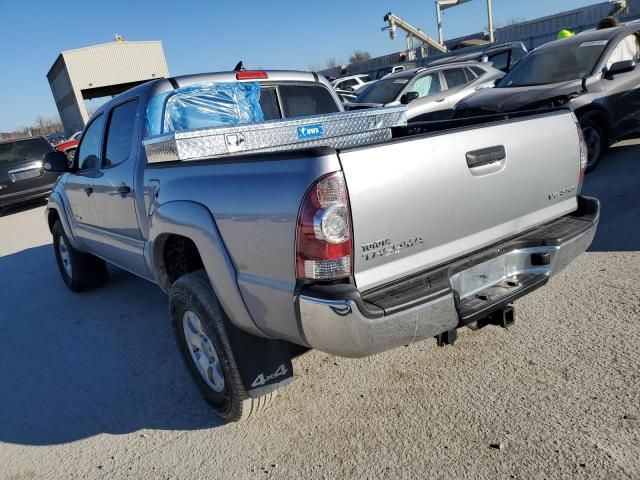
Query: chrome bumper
339	326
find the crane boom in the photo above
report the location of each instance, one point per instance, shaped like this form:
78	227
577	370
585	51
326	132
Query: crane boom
396	22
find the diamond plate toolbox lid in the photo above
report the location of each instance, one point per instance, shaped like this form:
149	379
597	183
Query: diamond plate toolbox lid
335	130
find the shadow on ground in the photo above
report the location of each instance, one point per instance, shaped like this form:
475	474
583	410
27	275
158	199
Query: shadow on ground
76	365
616	182
22	207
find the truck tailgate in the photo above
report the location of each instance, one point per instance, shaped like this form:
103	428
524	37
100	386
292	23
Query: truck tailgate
418	202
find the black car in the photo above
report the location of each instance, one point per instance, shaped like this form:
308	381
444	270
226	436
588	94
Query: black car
594	73
22	176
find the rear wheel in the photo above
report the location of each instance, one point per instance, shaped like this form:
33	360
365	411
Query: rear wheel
596	141
80	271
199	325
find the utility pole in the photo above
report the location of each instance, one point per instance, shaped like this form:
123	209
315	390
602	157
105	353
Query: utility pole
490	15
439	19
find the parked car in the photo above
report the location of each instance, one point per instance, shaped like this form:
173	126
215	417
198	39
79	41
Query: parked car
55	138
503	56
22	176
586	73
351	83
429	93
383	72
268	242
69	145
347	96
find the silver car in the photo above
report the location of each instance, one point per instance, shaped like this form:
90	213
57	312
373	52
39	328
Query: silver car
429	93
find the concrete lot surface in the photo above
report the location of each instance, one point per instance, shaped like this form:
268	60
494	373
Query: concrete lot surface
92	386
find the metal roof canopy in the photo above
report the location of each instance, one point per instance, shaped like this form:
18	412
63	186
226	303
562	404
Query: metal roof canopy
101	70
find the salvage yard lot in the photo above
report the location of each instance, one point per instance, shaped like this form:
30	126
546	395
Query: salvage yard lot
92	385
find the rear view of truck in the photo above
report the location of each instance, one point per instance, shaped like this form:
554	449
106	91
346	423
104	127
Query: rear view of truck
447	229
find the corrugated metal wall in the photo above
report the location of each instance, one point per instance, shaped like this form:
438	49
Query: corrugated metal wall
115	63
542	30
110	64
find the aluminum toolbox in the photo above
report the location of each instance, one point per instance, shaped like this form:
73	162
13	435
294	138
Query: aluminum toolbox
335	130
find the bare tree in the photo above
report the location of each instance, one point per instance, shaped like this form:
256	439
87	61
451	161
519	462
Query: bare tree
331	63
41	126
359	56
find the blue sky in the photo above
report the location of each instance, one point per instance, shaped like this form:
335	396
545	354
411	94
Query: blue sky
210	36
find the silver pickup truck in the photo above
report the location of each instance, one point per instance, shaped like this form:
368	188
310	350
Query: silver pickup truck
351	244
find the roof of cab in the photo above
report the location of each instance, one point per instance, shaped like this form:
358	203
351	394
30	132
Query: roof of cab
161	85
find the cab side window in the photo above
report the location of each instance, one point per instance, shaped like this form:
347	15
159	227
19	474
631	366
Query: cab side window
88	154
500	61
455	77
426	85
119	137
627	49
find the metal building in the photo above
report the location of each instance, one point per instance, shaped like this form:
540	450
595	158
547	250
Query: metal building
534	33
99	71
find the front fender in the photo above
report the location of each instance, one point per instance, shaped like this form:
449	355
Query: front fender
194	221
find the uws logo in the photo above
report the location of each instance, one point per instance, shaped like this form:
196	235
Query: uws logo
385	247
310	130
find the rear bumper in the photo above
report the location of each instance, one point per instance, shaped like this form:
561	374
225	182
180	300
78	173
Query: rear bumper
339	320
25	195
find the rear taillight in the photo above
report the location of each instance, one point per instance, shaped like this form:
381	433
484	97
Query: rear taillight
584	157
323	245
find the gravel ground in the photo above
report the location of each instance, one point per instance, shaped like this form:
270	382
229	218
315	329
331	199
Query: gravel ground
92	385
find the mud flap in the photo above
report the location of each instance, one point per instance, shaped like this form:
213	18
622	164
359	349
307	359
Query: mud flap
264	364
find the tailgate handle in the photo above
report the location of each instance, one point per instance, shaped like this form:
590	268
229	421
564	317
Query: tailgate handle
485	156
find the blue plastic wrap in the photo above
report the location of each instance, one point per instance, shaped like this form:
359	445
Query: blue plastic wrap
204	105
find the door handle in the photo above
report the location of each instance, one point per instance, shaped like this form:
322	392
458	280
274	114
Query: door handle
123	189
88	190
485	156
440	100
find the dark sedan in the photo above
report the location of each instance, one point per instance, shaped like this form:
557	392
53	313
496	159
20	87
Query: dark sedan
22	176
593	73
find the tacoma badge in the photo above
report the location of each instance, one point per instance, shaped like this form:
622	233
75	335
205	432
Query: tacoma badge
384	247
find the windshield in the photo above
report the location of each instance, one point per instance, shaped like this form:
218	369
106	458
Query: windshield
555	65
31	149
383	91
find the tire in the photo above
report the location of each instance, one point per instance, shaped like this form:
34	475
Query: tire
596	140
80	271
200	327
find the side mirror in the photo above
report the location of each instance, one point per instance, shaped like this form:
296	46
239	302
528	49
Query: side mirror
408	97
56	162
620	67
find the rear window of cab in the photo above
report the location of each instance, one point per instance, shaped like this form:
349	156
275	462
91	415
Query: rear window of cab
225	104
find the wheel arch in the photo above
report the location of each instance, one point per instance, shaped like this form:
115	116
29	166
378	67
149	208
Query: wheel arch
190	228
599	115
56	211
